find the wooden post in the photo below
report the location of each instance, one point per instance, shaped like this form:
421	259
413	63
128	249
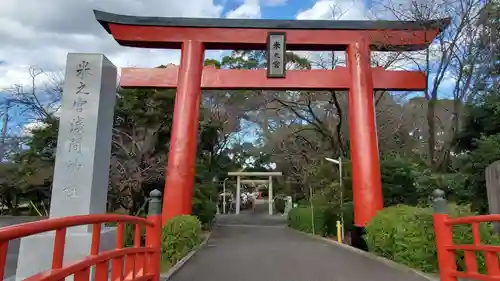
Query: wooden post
153	235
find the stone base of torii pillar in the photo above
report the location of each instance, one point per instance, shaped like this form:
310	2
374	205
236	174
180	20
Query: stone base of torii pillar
81	173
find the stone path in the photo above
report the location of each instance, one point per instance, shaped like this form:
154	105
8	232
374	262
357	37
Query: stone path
242	249
13	250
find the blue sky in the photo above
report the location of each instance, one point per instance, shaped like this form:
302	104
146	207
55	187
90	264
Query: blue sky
290	10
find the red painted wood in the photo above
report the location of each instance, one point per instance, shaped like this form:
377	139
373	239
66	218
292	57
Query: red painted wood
58	253
138	258
491	258
473	219
153	241
182	154
446	258
30	228
476	237
96	239
446	250
460	247
470	261
117	263
81	269
254	38
4	247
102	271
130	267
366	182
212	78
82	275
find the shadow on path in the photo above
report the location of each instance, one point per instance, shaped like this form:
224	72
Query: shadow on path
239	249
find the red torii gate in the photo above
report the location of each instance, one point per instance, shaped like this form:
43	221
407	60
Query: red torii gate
194	35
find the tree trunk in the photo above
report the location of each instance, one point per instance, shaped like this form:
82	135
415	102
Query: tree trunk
431	138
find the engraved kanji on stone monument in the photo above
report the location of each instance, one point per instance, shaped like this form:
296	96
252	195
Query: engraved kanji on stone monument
83	69
76	132
79	103
81	143
276	54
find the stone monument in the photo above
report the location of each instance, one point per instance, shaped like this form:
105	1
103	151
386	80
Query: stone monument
492	174
81	172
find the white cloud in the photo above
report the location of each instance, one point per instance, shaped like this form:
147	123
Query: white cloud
334	9
28	128
42	35
250	9
331	10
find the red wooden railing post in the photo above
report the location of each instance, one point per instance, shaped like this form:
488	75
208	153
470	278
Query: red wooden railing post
153	234
444	238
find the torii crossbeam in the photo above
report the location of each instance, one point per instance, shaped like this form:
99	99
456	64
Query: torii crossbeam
194	35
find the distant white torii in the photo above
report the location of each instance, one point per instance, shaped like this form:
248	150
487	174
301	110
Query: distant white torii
238	176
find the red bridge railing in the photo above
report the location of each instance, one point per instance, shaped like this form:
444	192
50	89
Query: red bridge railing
139	262
447	251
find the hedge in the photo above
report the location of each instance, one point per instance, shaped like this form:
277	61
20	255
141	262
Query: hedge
405	234
205	211
325	218
300	218
180	235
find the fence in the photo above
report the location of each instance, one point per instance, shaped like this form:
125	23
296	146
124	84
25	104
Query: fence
447	250
139	262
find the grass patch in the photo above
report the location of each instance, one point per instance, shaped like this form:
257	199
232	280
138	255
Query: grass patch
165	266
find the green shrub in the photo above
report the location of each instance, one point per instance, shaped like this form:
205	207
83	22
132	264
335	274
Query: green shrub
304	202
179	236
348	208
405	234
326	210
300	218
129	233
205	211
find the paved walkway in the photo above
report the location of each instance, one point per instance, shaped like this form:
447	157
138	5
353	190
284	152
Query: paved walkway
242	249
13	250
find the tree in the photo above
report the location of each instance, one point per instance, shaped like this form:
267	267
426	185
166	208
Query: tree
141	136
454	58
